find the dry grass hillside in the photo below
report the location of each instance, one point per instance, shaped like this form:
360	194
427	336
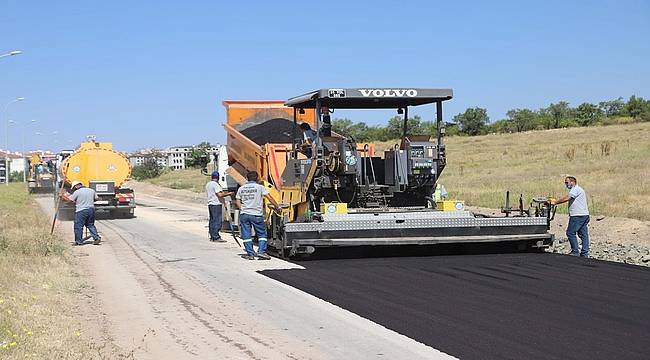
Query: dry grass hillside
612	164
187	179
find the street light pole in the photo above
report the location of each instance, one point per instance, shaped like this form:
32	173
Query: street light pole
7	139
12	53
24	153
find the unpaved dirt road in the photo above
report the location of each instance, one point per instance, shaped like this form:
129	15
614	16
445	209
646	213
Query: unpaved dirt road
160	290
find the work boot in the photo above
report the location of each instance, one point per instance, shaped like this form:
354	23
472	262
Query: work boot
219	240
263	256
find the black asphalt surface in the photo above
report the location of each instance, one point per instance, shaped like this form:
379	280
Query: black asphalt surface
495	306
274	131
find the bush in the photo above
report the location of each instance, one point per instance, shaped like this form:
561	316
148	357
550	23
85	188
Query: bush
148	170
617	120
16	176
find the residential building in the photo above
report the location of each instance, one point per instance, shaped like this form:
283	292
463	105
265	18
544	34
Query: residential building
16	161
143	156
176	156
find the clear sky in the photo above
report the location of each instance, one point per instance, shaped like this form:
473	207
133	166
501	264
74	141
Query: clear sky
154	73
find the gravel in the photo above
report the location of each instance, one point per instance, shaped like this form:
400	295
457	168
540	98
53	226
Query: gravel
610	251
611	238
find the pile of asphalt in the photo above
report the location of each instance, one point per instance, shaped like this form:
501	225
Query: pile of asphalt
495	306
273	131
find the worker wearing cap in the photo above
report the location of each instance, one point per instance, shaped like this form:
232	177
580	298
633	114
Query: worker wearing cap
84	199
215	208
250	200
309	137
578	216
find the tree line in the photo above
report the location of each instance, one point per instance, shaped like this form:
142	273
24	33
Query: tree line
475	120
196	159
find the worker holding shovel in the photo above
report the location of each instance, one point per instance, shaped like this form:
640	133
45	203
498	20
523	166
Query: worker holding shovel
84	199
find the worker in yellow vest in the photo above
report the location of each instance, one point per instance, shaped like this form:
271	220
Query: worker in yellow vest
440	193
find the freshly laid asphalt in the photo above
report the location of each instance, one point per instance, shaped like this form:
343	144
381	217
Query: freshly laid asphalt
494	306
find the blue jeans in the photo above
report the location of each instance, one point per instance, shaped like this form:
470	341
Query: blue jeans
85	217
246	224
214	225
579	225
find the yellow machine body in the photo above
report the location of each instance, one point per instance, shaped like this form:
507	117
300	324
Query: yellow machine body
450	205
96	161
334	208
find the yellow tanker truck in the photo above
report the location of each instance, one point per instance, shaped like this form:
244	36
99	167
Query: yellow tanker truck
96	165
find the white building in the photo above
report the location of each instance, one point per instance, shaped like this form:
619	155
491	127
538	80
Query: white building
176	156
143	156
16	163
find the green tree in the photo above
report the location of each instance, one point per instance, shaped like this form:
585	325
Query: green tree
557	113
638	108
199	156
378	133
395	127
430	128
500	126
451	129
150	169
16	176
522	119
357	131
473	121
545	119
612	107
341	126
588	114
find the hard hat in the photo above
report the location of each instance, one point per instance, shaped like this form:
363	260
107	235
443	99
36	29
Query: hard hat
75	183
215	174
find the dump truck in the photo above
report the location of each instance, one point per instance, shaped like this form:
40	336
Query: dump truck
96	165
40	177
341	194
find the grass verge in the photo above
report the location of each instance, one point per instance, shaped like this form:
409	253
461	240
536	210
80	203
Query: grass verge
37	285
186	179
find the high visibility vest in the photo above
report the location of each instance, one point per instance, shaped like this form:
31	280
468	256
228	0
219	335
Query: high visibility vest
437	195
